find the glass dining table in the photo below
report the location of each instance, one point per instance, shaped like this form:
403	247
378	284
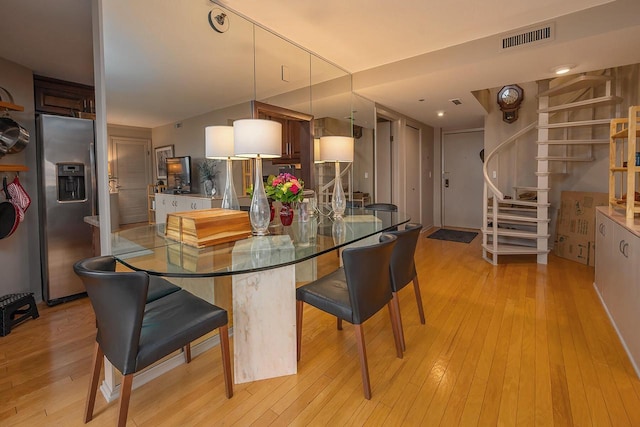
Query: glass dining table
262	271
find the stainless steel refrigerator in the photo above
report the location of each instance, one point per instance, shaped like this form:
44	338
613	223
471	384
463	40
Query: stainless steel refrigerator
66	194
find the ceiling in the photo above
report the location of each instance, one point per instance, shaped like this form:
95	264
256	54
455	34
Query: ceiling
399	53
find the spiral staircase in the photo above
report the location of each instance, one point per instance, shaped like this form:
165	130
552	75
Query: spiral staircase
518	223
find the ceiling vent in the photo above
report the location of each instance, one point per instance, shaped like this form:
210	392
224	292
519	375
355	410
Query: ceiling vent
529	36
456	101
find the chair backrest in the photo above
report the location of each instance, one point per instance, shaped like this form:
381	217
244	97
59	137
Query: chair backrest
368	279
382	207
403	266
118	300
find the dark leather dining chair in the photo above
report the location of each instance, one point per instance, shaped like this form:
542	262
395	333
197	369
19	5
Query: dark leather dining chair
133	334
403	270
382	207
386	207
158	287
354	294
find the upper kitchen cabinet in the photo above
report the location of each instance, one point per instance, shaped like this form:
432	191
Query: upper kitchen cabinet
62	98
297	136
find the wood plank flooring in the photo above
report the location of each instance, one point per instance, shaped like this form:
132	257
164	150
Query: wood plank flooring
515	344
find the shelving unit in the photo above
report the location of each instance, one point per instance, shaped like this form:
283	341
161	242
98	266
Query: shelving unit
13	168
151	199
9	106
623	146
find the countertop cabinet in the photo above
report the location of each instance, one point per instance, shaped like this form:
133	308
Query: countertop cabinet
169	203
616	279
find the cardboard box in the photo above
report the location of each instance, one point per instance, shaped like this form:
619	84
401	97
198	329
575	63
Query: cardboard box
575	228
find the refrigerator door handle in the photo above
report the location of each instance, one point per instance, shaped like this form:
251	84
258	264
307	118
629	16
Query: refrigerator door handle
94	186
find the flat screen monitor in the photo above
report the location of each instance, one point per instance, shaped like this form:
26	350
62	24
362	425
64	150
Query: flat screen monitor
179	174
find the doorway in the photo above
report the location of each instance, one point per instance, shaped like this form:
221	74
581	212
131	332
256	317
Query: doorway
132	168
462	183
412	185
384	161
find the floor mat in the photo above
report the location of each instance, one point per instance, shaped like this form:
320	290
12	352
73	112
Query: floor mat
453	235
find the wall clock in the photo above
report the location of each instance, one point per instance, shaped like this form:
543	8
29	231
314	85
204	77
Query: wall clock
509	99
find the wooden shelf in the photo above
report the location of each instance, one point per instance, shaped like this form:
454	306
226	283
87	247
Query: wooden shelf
624	133
151	198
13	168
10	106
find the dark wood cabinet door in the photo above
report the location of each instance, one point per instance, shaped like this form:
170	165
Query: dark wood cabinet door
297	137
62	98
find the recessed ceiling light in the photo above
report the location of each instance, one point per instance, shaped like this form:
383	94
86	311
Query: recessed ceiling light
563	69
440	113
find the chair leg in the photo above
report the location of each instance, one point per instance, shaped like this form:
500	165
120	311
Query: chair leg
364	368
339	323
93	384
416	288
393	314
299	307
226	360
125	396
187	353
396	305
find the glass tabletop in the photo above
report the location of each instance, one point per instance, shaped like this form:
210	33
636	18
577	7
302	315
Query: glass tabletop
146	248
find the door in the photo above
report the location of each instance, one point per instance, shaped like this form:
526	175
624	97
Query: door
132	169
412	177
462	179
384	160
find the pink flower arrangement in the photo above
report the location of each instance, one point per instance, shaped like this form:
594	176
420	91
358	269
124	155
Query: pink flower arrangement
284	188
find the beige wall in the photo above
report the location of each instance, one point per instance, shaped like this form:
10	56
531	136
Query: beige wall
20	252
187	137
427	152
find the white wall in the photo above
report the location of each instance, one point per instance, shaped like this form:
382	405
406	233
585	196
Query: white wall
20	252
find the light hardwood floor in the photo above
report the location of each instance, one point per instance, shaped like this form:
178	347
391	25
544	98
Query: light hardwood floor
516	344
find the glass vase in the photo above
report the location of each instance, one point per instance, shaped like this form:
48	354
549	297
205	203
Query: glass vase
338	199
229	198
259	211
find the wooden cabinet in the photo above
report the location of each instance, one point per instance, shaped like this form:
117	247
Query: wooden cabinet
297	137
63	98
624	172
616	276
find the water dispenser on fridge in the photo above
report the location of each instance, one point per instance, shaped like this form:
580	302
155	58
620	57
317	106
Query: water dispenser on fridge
71	182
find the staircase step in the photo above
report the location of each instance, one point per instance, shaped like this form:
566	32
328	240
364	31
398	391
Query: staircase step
511	217
587	103
515	187
520	234
515	202
580	82
513	210
513	250
574	142
575	124
566	159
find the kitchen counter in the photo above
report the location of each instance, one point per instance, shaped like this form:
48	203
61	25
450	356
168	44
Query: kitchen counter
93	220
618	216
